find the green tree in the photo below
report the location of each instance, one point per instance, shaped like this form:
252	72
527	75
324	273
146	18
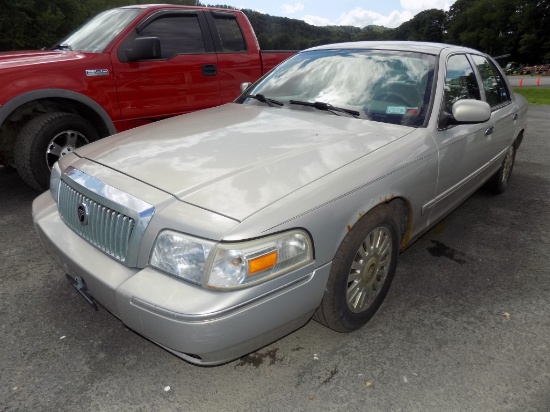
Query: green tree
533	21
484	24
428	25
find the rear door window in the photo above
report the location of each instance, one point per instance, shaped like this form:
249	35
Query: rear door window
228	32
496	91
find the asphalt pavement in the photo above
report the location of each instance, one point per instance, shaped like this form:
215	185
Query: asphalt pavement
465	326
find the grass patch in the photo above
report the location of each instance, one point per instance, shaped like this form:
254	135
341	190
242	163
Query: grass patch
534	95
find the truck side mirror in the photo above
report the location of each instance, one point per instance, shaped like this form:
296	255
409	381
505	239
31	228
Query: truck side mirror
144	48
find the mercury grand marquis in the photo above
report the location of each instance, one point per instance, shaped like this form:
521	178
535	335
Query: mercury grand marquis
217	232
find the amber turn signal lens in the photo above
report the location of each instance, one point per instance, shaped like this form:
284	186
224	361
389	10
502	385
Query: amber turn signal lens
262	263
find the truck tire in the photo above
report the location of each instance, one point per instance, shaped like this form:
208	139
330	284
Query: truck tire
45	139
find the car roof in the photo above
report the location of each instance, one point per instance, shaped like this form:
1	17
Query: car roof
420	47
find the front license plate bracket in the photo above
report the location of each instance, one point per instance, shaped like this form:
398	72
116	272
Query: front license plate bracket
78	283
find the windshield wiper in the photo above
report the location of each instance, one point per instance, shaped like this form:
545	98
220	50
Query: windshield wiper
62	47
327	107
263	99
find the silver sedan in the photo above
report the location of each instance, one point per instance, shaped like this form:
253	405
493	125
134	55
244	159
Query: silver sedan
217	232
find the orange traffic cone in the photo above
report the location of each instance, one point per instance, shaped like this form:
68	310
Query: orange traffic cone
538	81
521	82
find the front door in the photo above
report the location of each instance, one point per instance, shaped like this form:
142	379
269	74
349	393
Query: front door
184	78
461	148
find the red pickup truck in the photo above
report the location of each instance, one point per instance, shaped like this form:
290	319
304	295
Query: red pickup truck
126	67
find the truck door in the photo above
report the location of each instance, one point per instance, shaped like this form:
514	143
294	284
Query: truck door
180	77
238	61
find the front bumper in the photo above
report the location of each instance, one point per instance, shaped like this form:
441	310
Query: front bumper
203	326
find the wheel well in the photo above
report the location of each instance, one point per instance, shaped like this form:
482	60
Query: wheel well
519	139
403	210
26	112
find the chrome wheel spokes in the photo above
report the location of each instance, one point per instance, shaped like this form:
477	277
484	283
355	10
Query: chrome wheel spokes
63	144
369	269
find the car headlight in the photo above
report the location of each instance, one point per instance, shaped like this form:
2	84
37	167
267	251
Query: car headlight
181	255
230	265
55	180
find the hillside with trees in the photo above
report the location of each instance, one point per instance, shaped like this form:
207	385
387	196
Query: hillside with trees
520	28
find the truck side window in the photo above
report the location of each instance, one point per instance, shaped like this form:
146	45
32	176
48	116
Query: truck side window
496	92
181	34
230	34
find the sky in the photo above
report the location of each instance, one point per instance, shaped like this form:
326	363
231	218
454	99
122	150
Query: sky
360	13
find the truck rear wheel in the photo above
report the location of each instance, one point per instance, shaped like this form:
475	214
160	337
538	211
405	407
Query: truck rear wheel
44	140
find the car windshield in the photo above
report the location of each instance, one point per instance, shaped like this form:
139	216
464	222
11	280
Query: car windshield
384	86
96	35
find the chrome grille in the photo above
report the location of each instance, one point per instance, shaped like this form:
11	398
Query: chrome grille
107	229
114	221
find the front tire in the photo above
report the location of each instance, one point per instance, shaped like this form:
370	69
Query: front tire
44	140
362	271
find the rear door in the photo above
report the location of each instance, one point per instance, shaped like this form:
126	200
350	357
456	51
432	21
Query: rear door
503	112
184	78
238	60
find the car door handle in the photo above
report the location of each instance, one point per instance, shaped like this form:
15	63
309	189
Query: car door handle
489	131
209	70
515	117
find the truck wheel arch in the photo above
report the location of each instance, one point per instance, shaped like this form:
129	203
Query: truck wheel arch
64	97
15	113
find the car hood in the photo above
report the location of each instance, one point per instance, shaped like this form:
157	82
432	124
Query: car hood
237	159
18	59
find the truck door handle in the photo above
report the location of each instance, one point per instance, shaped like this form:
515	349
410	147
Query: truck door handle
489	131
209	70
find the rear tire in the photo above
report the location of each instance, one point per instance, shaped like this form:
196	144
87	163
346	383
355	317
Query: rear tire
498	183
44	140
362	271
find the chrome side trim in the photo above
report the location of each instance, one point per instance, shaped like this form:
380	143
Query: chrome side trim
426	208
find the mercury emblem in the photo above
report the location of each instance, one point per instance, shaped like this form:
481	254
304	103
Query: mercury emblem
82	213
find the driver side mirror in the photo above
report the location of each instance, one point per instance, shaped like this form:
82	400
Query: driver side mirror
469	111
144	48
465	111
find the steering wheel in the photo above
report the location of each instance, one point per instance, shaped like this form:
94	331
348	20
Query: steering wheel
392	97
